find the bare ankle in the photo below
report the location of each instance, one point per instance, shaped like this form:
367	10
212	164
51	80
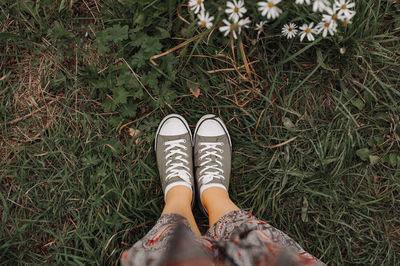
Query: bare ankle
179	195
213	195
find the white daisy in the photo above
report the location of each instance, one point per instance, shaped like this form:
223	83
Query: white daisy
300	2
290	30
235	9
343	7
331	16
260	28
326	27
229	28
205	20
233	27
307	30
243	23
346	21
320	5
270	9
348	17
196	5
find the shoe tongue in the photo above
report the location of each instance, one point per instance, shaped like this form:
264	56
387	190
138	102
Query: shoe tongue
214	158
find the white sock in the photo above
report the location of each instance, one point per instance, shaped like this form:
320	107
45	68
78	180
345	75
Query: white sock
204	187
174	184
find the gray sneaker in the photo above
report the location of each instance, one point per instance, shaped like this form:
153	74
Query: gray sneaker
212	155
174	153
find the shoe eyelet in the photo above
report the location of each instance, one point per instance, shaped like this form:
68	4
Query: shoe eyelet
184	140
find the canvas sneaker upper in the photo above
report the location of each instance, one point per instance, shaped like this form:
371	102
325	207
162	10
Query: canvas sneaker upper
174	153
212	154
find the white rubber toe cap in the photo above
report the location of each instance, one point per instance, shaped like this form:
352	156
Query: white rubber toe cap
210	127
173	126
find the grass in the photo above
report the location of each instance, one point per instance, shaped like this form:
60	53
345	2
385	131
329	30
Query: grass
77	190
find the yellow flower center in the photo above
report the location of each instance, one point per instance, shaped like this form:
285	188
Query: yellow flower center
203	23
236	9
334	16
308	30
290	29
271	4
345	22
344	7
234	26
327	25
199	2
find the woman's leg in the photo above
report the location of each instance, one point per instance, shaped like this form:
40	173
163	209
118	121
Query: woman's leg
243	239
217	202
155	246
212	156
178	200
173	147
237	236
174	153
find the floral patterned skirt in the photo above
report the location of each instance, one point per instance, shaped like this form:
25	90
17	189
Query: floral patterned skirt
238	238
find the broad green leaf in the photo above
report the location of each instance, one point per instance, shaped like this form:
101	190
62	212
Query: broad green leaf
90	160
109	105
379	140
393	159
288	123
163	33
120	95
358	103
115	34
373	159
364	154
128	110
398	161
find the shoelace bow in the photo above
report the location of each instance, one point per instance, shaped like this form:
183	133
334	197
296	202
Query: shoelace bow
211	149
176	152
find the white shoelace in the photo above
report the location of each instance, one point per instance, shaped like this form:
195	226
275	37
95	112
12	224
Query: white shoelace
211	149
176	151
